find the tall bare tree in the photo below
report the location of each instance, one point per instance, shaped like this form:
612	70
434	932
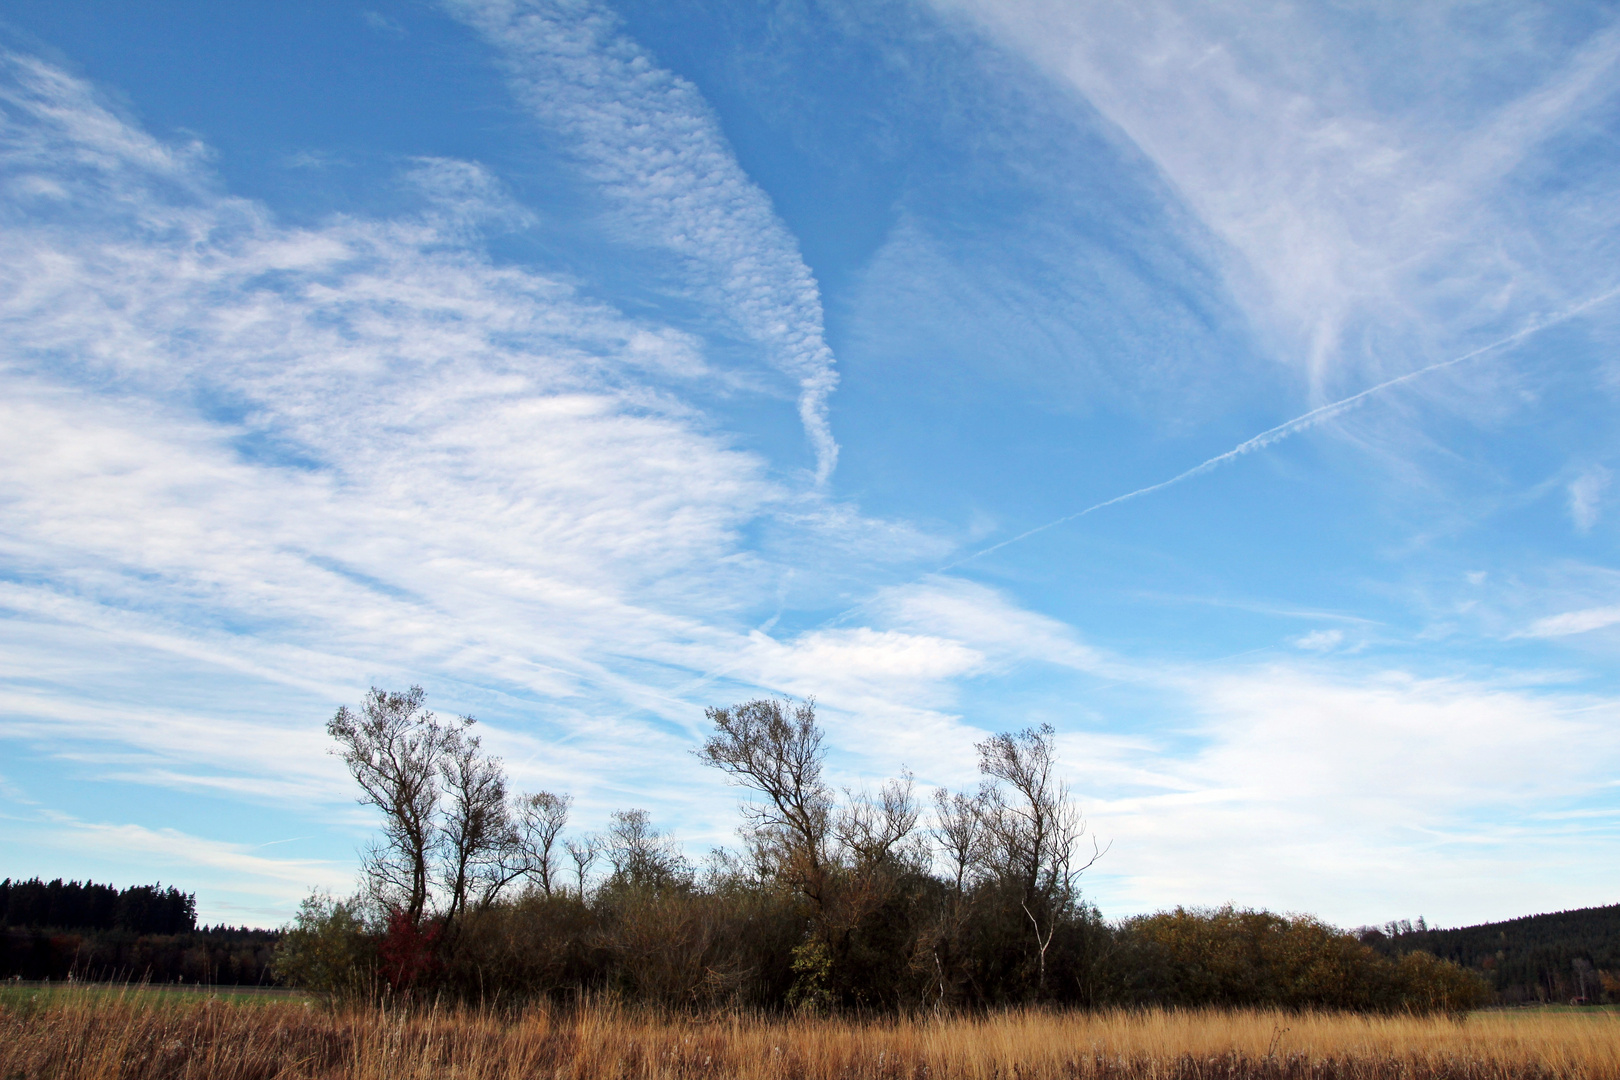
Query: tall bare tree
875	831
583	851
476	832
960	833
449	829
641	855
1033	827
878	844
393	748
961	838
539	820
775	748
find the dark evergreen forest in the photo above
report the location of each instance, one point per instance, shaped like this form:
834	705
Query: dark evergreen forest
1560	956
143	933
72	905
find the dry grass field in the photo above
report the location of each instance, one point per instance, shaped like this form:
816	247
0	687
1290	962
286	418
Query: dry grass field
137	1036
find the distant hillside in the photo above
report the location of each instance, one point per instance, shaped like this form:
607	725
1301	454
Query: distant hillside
1554	957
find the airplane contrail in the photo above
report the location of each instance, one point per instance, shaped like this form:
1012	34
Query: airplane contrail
1297	424
1259	442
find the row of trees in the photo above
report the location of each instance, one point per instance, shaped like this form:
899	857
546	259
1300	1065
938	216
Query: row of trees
215	956
837	899
74	905
1558	956
1014	844
89	931
451	832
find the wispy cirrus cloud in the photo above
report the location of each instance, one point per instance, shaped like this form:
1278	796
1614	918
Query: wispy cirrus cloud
654	149
166	854
1567	623
1376	205
237	453
1320	640
247	468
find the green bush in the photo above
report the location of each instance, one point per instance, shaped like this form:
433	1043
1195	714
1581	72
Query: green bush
330	949
1237	957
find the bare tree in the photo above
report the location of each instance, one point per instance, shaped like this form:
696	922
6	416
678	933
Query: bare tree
448	827
874	831
641	855
878	844
477	832
527	846
584	851
960	832
393	747
775	748
539	819
1033	827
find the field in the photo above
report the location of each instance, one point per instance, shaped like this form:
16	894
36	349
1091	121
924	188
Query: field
136	1035
16	994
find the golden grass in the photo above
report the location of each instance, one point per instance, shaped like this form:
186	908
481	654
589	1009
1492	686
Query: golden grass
90	1036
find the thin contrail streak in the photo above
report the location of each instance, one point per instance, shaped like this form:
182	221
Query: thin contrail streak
1297	424
1259	442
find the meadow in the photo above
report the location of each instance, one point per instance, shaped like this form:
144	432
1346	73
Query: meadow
136	1035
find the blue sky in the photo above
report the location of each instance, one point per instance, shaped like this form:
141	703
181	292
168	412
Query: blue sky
591	364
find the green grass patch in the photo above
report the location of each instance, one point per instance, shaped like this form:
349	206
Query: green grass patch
29	996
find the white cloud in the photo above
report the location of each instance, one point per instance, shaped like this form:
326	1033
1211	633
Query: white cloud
237	883
990	621
247	468
1574	622
653	146
1586	495
1364	181
270	760
350	359
878	662
300	458
175	848
1320	640
1359	797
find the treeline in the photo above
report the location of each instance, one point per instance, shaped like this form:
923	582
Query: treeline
728	943
1562	956
92	932
838	900
73	905
215	956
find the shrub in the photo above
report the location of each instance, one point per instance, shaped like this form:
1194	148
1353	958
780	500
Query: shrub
1237	957
329	949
